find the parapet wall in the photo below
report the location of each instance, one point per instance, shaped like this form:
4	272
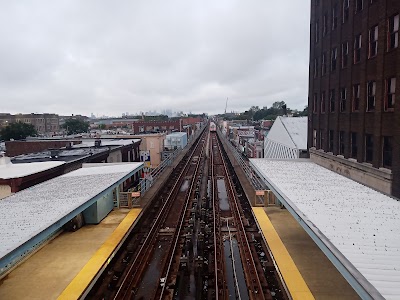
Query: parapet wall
14	148
377	178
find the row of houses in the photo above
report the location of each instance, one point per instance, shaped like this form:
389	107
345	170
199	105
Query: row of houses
53	123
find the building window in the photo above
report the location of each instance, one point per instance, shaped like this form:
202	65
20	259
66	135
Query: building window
332	100
357	48
346	10
356	97
314	141
330	141
315	103
321	139
315	67
334	17
387	151
343	96
371	88
341	142
390	94
359	5
369	148
354	148
333	59
325	24
373	42
393	34
345	54
323	64
322	102
316	28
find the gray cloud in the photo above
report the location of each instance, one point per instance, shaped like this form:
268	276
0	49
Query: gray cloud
112	57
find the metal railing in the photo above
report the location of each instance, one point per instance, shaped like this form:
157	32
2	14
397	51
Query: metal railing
256	182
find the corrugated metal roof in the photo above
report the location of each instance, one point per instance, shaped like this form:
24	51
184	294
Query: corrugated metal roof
361	223
29	212
297	129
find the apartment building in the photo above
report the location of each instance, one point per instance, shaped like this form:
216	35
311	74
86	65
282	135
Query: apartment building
354	116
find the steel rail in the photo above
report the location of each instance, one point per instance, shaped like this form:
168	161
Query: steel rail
126	284
177	234
233	263
243	237
213	189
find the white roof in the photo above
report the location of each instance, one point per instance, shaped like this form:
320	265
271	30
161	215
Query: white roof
10	170
105	142
360	222
290	131
176	134
29	212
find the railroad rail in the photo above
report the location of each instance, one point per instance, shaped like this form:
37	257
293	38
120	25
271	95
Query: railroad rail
196	240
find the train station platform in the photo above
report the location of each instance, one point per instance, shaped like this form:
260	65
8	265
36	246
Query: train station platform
66	265
318	273
51	269
30	218
306	270
354	226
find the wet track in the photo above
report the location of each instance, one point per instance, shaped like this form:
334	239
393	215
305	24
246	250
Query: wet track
196	240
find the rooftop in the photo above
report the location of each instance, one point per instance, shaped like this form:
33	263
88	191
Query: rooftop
9	170
357	225
29	212
297	129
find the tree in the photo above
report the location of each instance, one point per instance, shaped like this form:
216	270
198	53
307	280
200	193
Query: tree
17	131
74	126
305	111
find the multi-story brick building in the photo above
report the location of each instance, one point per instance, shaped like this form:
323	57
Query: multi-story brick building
42	122
354	116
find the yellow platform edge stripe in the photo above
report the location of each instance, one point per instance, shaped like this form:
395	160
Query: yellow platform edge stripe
295	283
82	280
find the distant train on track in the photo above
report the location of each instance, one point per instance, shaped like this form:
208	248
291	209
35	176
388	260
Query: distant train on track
213	127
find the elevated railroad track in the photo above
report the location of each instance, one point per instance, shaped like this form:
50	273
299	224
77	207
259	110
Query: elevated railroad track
196	240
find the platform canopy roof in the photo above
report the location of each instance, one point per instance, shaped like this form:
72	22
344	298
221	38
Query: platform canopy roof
357	227
30	212
9	170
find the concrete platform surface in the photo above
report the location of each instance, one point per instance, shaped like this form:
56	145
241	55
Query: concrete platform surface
48	272
321	276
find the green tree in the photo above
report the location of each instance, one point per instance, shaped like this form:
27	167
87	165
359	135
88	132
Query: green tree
74	126
304	113
17	131
102	126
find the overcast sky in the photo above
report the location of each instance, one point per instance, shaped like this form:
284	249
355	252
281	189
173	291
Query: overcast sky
111	57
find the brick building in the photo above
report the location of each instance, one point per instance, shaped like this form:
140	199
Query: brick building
354	117
42	122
